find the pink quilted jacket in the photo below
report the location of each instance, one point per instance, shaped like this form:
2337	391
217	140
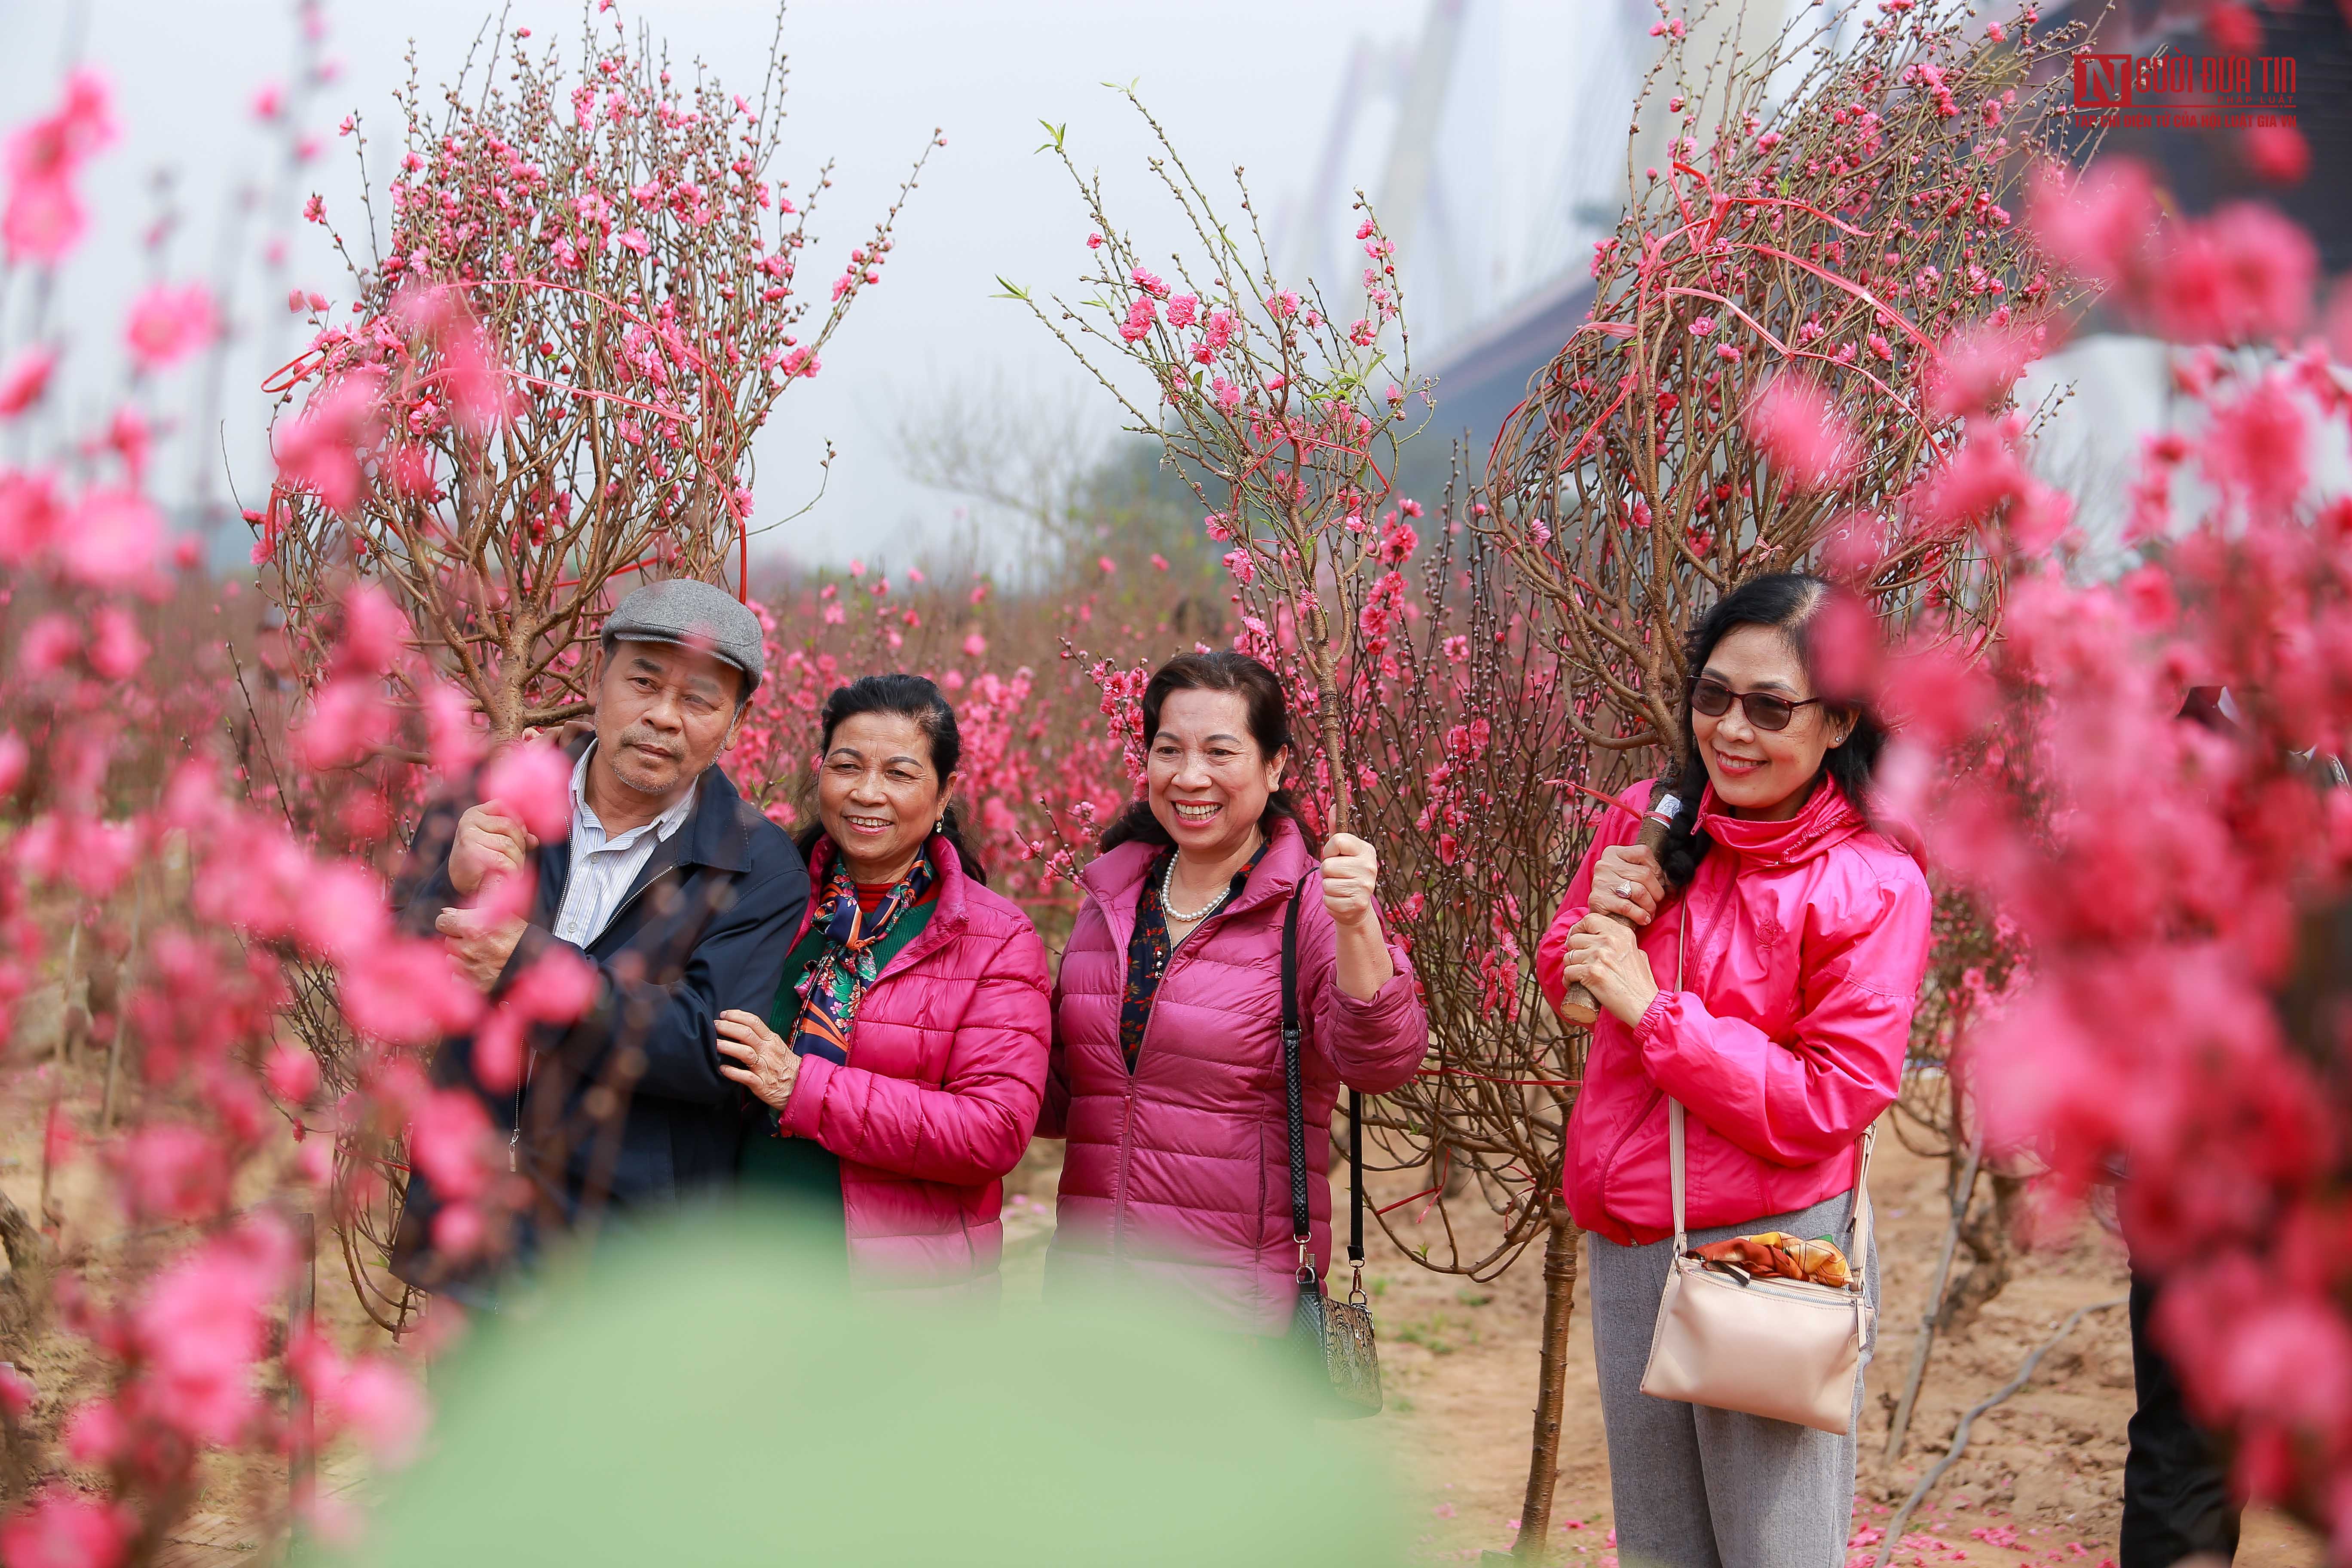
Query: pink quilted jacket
948	1063
1179	1174
1808	940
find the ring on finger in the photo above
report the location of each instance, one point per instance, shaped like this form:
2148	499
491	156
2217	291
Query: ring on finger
1624	889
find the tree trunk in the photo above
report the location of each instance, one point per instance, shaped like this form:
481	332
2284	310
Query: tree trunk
1552	1385
1990	1237
1964	1189
24	1292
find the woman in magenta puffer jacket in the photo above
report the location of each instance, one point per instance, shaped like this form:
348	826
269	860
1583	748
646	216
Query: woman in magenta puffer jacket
897	1076
1167	1068
1783	1040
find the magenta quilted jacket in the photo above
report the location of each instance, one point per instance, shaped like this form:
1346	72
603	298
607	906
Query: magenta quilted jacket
946	1067
1785	1039
1177	1176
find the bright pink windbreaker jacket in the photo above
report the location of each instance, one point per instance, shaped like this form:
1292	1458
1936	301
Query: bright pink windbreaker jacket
1785	1041
946	1069
1179	1174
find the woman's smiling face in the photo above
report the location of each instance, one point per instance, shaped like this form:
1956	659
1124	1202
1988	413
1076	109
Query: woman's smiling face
1208	780
878	794
1760	773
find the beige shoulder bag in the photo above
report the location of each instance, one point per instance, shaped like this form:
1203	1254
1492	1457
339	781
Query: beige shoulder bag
1786	1350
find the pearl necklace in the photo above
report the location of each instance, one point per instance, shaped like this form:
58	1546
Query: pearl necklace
1168	898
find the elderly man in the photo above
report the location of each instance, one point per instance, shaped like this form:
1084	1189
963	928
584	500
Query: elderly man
681	896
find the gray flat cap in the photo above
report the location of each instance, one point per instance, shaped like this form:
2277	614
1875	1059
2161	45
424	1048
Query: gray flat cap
683	611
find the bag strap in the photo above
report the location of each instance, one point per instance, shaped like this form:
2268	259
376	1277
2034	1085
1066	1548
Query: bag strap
1675	1107
1858	1221
1356	1195
1293	1093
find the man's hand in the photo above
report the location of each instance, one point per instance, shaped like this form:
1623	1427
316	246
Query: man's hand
488	843
482	943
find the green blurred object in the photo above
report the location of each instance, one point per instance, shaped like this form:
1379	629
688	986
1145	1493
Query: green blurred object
701	1395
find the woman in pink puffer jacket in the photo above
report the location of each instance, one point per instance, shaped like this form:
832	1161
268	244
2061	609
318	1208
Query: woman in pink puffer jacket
1167	1066
898	1074
1783	1038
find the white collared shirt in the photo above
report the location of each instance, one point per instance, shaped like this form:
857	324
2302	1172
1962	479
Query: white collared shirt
603	865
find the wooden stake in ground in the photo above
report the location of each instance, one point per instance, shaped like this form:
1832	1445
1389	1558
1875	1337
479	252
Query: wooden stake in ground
122	988
71	1020
302	1307
1961	1195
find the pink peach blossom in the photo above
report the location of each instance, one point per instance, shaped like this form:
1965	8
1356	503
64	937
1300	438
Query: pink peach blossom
292	1073
1973	369
534	783
43	217
173	1171
167	323
199	1331
322	451
450	1138
62	1529
2258	446
116	539
24	379
1797	425
405	992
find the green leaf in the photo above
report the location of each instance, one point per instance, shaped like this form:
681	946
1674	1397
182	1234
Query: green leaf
1054	131
1012	291
1035	1414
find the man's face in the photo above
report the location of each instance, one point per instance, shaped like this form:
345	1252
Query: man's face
663	715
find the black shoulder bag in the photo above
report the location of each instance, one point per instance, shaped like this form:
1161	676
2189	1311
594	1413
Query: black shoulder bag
1334	1338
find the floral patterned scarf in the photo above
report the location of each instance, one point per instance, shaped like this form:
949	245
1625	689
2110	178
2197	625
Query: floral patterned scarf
833	983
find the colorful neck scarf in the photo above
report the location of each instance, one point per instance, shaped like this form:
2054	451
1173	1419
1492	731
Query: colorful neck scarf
833	983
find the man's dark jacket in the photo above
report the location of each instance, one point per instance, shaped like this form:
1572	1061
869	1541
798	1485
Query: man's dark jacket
702	929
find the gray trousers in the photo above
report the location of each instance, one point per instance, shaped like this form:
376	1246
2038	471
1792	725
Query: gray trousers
1700	1488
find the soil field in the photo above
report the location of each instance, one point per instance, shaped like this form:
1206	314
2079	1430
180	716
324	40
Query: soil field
2042	1483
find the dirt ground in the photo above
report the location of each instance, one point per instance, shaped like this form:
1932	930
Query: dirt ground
2043	1477
2041	1484
244	1497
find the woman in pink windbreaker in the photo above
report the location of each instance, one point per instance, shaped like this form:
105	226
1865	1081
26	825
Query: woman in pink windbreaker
897	1076
1783	1040
1166	1067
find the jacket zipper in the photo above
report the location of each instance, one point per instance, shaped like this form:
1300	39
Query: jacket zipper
530	1052
1657	1095
1174	949
1609	1168
1126	1109
1127	1114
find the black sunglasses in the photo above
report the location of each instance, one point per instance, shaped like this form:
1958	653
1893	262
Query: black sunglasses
1764	711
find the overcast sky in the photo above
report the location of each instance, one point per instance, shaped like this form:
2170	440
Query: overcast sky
1248	81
